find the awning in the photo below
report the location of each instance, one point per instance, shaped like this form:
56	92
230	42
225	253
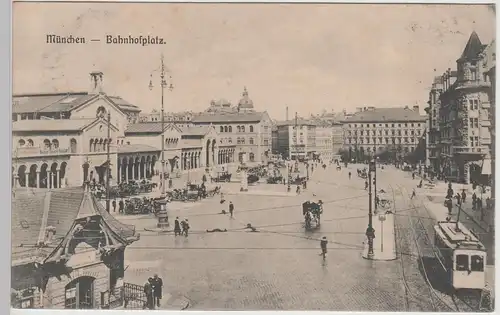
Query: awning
486	169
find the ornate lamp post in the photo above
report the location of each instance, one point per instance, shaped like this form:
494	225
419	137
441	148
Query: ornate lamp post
370	231
162	215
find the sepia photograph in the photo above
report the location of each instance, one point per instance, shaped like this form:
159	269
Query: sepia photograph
253	156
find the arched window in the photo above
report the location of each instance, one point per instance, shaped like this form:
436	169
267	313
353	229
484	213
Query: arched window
225	128
30	143
242	140
72	145
251	156
239	128
242	128
91	145
251	140
21	143
55	144
46	143
221	129
79	293
230	129
251	128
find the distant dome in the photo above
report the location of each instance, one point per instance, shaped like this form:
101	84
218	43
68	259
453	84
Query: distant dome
245	101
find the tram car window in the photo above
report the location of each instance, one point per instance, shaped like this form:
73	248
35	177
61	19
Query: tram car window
477	263
462	262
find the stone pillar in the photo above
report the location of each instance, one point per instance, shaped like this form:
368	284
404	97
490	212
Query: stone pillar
119	179
16	181
27	177
37	179
126	173
58	178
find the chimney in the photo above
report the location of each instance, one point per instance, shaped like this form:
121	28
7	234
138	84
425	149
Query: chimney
96	81
416	108
286	118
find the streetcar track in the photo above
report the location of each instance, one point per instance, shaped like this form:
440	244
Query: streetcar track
434	298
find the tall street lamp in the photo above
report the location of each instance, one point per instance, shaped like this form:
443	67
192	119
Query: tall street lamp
162	216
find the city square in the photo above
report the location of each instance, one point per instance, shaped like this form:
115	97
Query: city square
173	172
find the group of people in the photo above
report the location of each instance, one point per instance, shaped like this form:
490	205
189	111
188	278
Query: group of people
153	291
181	228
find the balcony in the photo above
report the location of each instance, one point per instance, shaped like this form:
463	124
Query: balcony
467	150
37	151
473	84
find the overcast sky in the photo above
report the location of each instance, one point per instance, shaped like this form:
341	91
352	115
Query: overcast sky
308	57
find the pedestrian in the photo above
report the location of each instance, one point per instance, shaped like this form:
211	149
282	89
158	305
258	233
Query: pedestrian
459	199
148	291
413	175
464	196
114	205
323	244
474	201
170	183
231	208
349	175
298	190
413	194
366	184
120	206
186	227
177	227
449	205
157	284
222	200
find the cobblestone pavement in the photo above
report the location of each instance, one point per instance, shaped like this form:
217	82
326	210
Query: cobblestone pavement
415	222
278	267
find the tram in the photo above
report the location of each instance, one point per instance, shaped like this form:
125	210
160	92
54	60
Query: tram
463	255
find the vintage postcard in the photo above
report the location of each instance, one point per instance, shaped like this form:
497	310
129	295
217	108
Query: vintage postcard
239	156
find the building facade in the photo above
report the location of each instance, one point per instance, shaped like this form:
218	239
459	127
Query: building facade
464	114
249	131
296	139
62	140
370	129
433	137
67	251
181	119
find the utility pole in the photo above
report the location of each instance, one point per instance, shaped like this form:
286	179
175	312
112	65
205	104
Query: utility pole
163	215
375	177
108	162
370	232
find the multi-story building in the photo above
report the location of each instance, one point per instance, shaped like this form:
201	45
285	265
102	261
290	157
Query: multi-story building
464	122
296	139
432	135
323	142
62	139
181	119
371	129
242	126
337	137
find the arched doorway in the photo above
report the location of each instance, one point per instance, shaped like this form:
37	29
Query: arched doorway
85	168
32	178
474	173
251	157
43	176
208	154
53	181
21	174
213	151
240	156
79	293
62	174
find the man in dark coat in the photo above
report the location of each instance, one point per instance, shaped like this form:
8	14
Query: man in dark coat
121	206
114	205
148	290
177	227
157	284
231	208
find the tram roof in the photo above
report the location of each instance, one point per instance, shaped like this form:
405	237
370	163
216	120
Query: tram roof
454	237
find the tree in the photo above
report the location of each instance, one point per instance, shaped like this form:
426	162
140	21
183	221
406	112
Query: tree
344	154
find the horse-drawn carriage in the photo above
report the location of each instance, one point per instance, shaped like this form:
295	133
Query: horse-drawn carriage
275	179
138	205
362	173
298	180
312	214
384	201
222	177
252	178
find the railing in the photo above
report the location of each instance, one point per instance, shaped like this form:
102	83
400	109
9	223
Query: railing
36	151
111	299
467	150
134	296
